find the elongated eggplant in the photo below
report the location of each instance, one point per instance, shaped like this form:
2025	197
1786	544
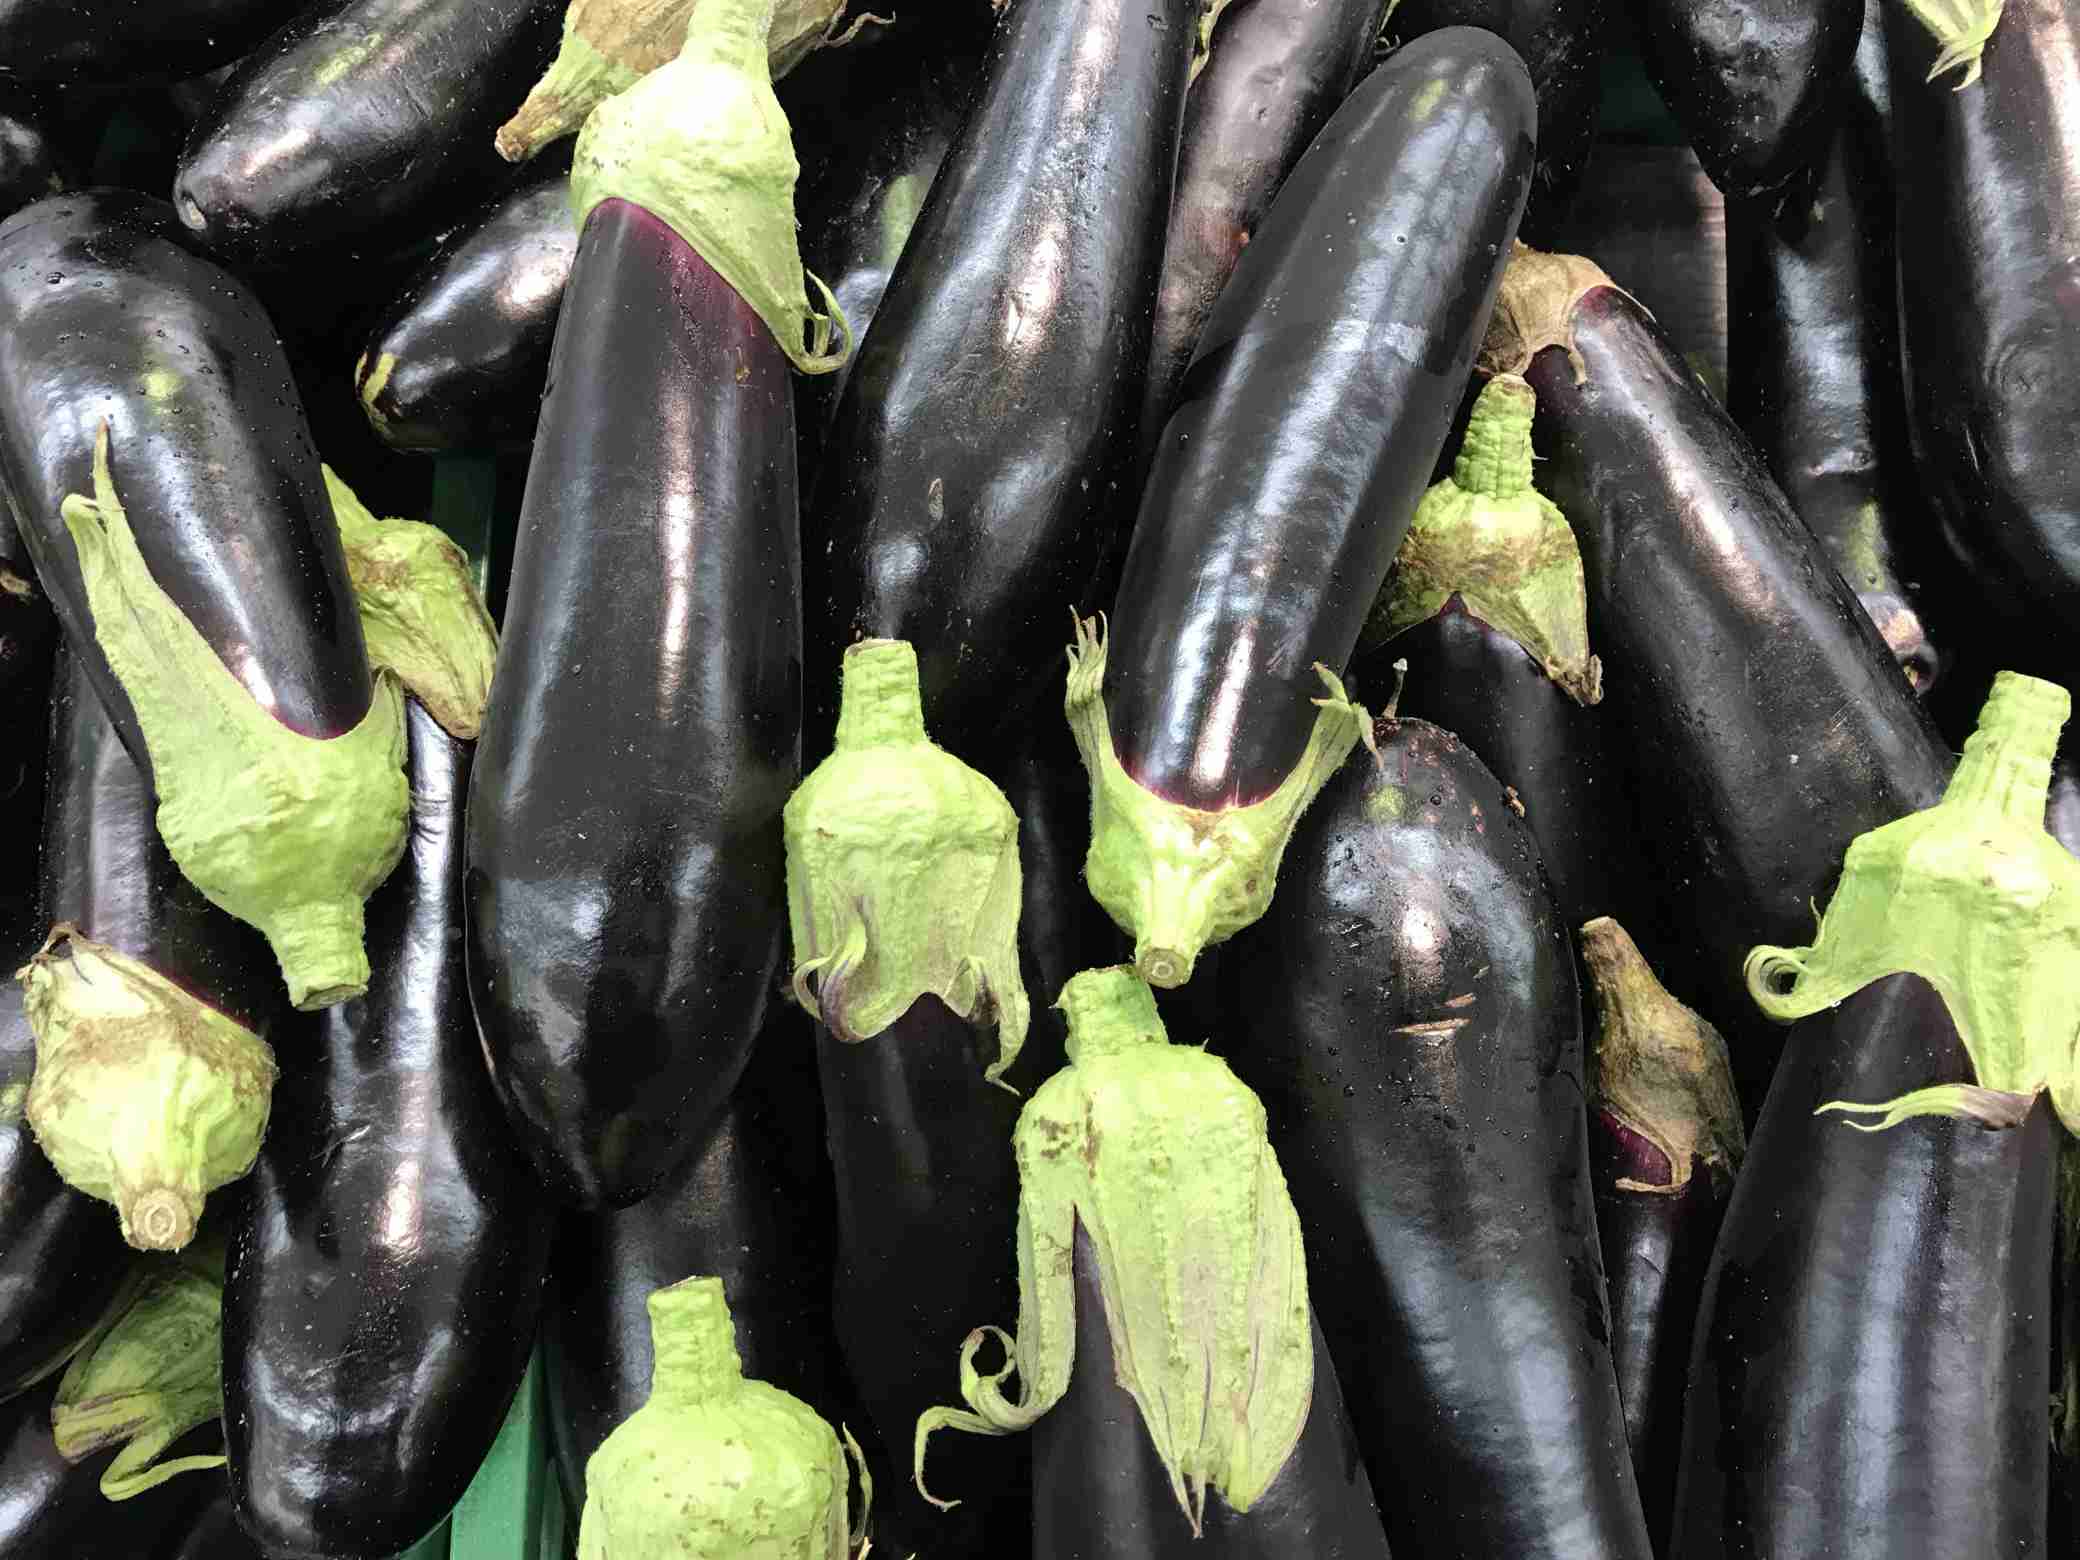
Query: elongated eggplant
130	40
1767	722
925	527
212	1533
458	361
1276	71
359	116
1417	1043
202	585
1319	397
384	1277
1989	302
50	1507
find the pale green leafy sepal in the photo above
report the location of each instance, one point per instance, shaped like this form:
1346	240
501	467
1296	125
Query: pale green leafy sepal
1966	1101
1961	29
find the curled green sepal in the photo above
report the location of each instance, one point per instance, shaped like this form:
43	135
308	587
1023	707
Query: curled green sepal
1487	536
1961	29
421	612
151	1377
1175	878
143	1096
713	1466
287	832
1158	1153
1977	899
703	145
902	869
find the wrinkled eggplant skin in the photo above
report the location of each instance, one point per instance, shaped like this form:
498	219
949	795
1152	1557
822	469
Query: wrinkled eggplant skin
1989	300
105	313
1767	723
387	1264
1100	1491
1753	83
467	342
1924	1250
626	881
213	1533
1416	1040
1022	298
1561	42
1318	398
926	1185
31	162
51	1508
1656	1247
751	1207
361	116
1277	71
130	41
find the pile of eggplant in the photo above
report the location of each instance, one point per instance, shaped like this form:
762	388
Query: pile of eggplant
1012	766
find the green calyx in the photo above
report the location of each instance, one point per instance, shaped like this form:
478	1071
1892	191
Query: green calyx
1977	899
421	612
1487	536
712	1466
1178	878
1961	29
702	144
1202	41
143	1096
1159	1154
1656	1066
152	1376
287	832
902	869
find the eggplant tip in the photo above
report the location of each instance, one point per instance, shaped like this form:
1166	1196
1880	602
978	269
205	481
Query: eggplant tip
159	1220
192	215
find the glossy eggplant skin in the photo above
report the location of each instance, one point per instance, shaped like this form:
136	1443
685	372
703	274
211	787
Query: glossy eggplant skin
1753	83
1416	1040
1318	398
752	1207
927	1250
1989	302
212	1533
1562	44
31	163
1100	1492
626	883
387	1263
125	41
360	116
208	445
1870	1367
1022	298
1277	71
51	1508
1767	723
457	362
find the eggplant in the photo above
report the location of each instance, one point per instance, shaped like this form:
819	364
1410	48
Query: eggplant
457	361
922	527
1417	1042
212	1533
388	1261
234	666
1276	71
50	1507
1989	308
1283	485
124	41
1767	722
1815	358
752	1206
1755	84
359	117
1665	1142
32	164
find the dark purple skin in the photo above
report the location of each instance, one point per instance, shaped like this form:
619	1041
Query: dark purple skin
1415	1035
1320	394
1100	1491
468	339
298	154
1753	83
1926	1247
1730	646
126	41
1277	71
1023	298
218	476
387	1261
51	1508
212	1533
31	162
626	876
1989	301
27	632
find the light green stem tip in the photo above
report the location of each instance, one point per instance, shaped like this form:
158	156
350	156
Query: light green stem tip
1109	1011
1977	899
693	1341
